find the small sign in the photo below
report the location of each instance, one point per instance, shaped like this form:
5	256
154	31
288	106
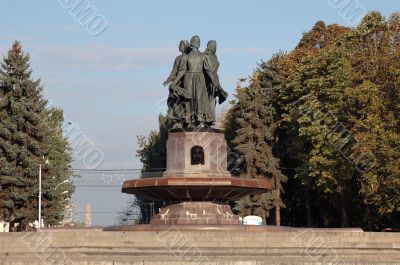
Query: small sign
252	220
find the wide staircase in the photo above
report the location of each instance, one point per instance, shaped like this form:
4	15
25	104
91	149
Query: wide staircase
173	246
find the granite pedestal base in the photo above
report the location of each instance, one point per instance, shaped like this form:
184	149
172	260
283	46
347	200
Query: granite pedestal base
196	184
208	145
195	213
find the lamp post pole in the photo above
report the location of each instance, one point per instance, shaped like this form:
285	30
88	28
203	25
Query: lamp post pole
40	197
59	184
40	193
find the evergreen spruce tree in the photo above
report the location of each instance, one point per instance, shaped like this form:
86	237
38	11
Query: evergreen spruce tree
271	79
29	135
254	140
23	141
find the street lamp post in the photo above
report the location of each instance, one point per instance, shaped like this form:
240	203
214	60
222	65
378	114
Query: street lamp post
40	194
40	197
59	184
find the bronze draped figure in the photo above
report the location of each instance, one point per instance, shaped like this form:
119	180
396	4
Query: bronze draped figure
194	86
178	98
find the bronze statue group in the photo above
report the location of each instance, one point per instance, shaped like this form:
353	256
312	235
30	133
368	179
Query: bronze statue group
194	86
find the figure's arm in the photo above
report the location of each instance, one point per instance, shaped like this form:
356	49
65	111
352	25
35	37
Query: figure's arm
210	67
181	70
173	73
214	77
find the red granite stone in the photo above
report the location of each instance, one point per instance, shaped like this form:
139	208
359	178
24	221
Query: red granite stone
189	189
199	213
195	189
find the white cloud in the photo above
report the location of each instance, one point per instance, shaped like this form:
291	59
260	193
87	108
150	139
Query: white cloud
101	57
97	57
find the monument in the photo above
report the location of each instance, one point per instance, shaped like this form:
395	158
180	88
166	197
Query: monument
196	185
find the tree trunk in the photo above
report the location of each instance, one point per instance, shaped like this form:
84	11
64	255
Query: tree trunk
369	223
343	211
308	208
278	208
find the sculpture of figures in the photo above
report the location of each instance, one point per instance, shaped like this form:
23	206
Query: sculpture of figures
184	48
178	100
211	66
194	79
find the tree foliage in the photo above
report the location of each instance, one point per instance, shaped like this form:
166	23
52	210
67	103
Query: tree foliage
355	165
28	136
337	103
152	154
152	149
58	190
326	115
255	123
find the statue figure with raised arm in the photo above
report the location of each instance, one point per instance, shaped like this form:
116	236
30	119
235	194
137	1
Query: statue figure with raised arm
195	80
178	98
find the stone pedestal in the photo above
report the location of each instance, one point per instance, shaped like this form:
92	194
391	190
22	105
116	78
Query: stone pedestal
196	185
196	213
197	153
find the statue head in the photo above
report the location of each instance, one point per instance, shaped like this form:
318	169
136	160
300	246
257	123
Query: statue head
184	45
212	46
195	42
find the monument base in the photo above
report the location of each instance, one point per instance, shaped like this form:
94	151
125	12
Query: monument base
195	213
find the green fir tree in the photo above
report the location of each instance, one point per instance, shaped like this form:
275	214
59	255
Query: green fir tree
29	135
254	144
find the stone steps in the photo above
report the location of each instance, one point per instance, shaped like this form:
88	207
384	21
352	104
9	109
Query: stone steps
209	256
132	238
72	247
212	251
200	247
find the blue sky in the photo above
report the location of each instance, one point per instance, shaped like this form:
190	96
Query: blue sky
110	85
